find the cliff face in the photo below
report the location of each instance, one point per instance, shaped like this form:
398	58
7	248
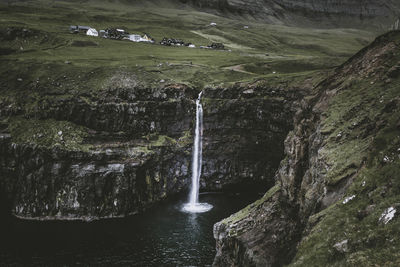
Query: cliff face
244	129
339	179
116	152
102	156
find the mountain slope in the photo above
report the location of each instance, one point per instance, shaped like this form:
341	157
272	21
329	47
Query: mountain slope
342	13
338	186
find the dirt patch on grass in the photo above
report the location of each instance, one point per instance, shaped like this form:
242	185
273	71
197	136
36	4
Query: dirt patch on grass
83	43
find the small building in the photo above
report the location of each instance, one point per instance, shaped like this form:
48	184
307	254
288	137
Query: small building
73	29
218	46
172	41
134	38
102	33
213	24
117	34
137	38
79	29
83	28
147	38
165	41
92	32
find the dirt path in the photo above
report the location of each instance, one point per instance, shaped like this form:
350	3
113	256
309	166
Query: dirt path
219	39
238	68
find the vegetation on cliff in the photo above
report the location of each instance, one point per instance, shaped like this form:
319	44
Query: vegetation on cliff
340	186
362	156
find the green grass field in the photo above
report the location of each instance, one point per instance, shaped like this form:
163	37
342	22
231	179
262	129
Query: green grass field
260	51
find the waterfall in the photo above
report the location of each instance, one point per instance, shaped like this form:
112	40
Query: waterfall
197	153
197	157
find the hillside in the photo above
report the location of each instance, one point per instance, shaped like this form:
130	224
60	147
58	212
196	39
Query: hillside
336	197
337	13
253	52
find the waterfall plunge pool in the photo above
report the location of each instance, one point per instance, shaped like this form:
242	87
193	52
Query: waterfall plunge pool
161	236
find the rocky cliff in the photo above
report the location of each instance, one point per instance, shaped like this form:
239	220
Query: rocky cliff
337	192
249	122
78	158
114	152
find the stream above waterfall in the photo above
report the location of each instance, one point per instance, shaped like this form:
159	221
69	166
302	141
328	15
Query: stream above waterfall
161	236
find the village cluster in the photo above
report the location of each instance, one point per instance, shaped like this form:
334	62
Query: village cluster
121	34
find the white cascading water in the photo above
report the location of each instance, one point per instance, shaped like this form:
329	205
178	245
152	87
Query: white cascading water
194	205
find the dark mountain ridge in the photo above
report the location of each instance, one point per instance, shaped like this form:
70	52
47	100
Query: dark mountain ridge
353	13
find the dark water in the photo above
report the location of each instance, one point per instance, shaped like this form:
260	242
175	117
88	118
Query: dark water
162	236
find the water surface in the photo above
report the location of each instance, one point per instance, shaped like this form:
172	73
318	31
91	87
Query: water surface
162	236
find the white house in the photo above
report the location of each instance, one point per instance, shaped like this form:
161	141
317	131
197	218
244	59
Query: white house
147	38
92	32
135	38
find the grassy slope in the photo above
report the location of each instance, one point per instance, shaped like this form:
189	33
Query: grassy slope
363	142
261	49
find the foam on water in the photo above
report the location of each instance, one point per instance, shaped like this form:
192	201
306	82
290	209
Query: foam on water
196	207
